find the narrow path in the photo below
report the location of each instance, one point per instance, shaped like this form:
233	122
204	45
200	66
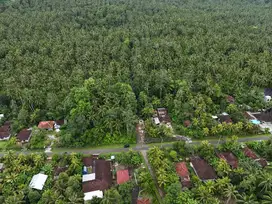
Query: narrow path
144	153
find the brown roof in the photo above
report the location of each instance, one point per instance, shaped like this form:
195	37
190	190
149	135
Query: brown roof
229	158
248	116
24	135
202	169
46	125
225	118
249	153
103	176
264	116
87	161
183	172
262	162
59	122
4	135
5	128
94	185
230	99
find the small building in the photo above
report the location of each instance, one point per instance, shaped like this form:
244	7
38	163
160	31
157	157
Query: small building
24	135
183	174
143	201
103	176
202	169
58	170
267	94
230	99
249	153
5	135
229	158
224	117
92	194
122	176
38	181
47	125
163	115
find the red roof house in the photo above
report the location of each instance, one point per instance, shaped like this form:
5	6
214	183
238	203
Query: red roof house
122	176
183	173
249	153
48	125
143	201
229	158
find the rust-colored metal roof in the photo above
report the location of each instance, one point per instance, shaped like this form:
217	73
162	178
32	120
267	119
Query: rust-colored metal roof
46	124
249	153
229	158
202	169
182	170
143	201
122	176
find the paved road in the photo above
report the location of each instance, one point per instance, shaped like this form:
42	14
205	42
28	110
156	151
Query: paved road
144	147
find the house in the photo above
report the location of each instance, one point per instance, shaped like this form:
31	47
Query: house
267	94
249	153
224	117
230	99
202	169
92	194
47	125
163	115
122	176
38	181
143	201
156	120
24	135
5	135
183	174
229	158
103	176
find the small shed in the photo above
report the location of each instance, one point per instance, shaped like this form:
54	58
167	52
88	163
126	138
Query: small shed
38	181
47	125
122	176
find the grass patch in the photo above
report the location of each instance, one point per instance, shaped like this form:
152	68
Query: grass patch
3	144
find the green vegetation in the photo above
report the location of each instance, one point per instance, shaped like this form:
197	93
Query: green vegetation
104	64
248	183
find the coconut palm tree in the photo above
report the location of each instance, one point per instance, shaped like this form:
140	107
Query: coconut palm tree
230	193
266	182
267	198
74	199
247	199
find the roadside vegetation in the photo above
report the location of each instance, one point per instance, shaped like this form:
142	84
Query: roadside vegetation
248	182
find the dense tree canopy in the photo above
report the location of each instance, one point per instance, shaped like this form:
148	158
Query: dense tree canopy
101	63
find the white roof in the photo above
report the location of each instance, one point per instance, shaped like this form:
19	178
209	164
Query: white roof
1	116
90	195
225	113
88	177
156	120
214	117
38	181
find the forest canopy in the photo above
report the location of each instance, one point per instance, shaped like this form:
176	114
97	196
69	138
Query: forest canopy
102	64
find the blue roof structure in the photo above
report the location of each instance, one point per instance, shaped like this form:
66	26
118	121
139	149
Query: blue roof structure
255	122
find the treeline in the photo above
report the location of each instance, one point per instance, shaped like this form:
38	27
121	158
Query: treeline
183	55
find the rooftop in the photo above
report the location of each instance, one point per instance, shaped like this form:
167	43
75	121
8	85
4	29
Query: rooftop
4	135
24	135
229	158
88	177
249	153
143	201
122	176
87	161
225	118
46	124
182	170
202	169
38	181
